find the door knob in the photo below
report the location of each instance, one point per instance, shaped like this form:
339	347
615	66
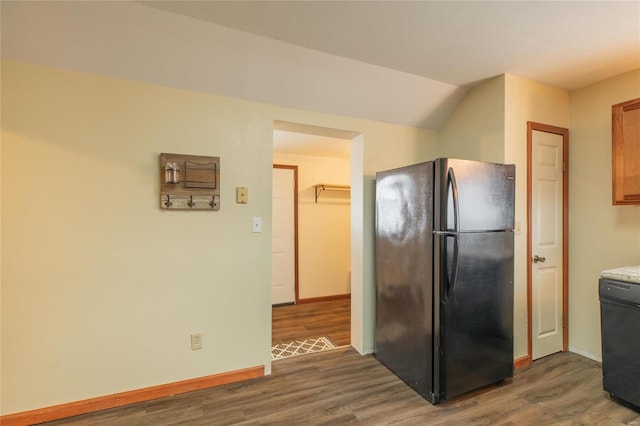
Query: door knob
540	259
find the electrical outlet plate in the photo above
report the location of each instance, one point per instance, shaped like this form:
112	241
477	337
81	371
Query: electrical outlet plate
196	341
256	226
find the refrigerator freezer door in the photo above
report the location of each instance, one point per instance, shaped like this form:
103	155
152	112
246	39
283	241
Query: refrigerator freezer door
475	318
403	331
474	196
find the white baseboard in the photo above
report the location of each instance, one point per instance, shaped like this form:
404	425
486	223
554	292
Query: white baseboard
585	354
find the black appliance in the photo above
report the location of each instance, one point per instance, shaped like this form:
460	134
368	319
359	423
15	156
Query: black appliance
444	275
620	326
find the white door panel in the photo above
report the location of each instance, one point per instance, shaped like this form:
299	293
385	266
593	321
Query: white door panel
283	237
546	243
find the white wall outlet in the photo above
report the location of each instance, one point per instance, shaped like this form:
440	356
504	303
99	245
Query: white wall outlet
196	341
257	225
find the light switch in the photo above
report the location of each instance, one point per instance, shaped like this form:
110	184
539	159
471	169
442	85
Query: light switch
242	195
257	224
518	229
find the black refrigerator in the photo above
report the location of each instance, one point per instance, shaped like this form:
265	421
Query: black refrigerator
444	275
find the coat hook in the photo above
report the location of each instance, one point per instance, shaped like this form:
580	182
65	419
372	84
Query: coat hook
168	203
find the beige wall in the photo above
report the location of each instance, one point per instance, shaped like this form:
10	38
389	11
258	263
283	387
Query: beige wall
526	100
386	152
475	131
324	230
491	125
601	236
100	288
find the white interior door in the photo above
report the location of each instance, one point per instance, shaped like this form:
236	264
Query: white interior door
546	243
283	237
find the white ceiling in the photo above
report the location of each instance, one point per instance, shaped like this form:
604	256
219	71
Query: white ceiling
564	44
403	62
304	139
567	45
295	143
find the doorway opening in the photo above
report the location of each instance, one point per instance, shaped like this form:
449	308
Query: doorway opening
311	246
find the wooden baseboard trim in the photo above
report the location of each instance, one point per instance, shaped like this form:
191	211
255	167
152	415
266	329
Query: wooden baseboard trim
125	398
325	298
521	362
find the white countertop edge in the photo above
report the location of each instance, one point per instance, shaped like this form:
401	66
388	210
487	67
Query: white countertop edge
629	274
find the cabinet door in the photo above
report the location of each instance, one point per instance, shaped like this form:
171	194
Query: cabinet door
625	119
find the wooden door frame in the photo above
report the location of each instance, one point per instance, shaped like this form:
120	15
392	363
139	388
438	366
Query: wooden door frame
531	126
295	224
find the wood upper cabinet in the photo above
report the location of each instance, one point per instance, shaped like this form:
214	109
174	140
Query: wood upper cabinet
625	120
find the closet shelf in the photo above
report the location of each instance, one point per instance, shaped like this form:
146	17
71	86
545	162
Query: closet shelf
328	187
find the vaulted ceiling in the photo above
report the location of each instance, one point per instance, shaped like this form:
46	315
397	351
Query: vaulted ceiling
401	62
564	44
567	45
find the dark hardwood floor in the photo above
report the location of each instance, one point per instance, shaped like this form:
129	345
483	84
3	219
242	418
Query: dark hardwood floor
342	387
310	320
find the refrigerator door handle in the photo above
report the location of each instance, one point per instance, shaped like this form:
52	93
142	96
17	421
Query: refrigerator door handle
453	277
451	177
